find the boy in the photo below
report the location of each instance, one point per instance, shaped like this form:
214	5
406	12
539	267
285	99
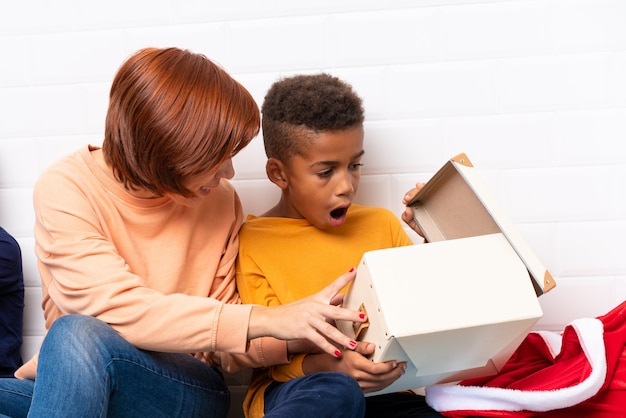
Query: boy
313	136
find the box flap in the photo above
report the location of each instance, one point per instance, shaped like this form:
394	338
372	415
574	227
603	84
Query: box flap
456	203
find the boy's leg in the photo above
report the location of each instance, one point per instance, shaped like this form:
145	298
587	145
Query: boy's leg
318	395
86	369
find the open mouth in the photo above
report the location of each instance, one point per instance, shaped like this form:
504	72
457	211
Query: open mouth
338	213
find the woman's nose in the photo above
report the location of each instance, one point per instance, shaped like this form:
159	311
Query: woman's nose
226	170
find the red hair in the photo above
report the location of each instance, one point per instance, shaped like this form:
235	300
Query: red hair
174	114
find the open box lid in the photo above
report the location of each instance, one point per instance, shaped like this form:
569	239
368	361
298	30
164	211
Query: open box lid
456	203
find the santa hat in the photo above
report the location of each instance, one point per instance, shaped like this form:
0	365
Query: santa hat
579	372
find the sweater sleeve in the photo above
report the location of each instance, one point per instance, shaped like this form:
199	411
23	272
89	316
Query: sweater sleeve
172	293
11	304
286	372
83	272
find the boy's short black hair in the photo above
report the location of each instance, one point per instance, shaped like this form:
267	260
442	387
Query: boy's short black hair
297	108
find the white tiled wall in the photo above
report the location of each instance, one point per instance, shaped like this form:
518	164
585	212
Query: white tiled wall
534	91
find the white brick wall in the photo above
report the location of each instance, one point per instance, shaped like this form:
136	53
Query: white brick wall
534	91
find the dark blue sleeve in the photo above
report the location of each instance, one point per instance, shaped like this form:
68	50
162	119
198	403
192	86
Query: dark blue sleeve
11	304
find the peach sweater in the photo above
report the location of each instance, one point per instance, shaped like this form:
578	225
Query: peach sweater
161	274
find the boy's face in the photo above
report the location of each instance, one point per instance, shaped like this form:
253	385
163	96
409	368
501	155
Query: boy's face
323	179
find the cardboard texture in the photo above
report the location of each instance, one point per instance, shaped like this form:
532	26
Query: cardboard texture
456	203
458	306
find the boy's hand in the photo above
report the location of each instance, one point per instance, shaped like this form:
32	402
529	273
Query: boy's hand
371	376
407	215
302	346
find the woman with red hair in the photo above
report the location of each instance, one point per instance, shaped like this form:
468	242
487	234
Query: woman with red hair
136	245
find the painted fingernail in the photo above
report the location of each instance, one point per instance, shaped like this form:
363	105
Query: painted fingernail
352	344
351	270
362	315
337	353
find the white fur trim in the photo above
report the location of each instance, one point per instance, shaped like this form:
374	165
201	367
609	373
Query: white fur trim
553	341
476	398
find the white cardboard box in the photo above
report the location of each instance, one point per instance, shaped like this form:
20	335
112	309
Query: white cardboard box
457	307
456	203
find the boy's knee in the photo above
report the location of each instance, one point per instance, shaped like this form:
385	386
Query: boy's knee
343	389
352	389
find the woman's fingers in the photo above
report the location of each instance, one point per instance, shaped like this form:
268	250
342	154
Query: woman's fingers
332	290
309	319
326	336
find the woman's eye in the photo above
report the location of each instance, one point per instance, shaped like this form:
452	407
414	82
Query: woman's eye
325	173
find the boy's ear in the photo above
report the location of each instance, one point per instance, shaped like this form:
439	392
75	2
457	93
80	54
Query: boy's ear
275	170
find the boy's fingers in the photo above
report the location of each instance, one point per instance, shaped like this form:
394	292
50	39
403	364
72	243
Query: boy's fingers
407	217
411	193
365	348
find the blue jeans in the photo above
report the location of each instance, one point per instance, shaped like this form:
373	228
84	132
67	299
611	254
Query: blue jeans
318	395
86	369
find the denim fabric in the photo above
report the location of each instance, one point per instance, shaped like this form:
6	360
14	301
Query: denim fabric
15	397
86	369
318	395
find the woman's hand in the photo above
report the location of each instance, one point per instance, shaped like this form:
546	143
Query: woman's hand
308	318
371	376
407	215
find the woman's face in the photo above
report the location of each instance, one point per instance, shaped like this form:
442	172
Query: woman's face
202	184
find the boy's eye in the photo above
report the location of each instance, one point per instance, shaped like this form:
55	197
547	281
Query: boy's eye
356	166
325	173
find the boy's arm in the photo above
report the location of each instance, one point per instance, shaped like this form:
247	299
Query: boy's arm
254	288
291	370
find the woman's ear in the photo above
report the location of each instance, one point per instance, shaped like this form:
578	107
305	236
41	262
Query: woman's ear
275	170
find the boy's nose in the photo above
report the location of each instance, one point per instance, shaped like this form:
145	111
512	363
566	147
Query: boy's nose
345	186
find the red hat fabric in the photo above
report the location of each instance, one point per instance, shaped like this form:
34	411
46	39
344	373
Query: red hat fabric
581	372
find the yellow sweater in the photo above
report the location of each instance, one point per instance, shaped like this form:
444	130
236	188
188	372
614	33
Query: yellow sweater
160	273
282	260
